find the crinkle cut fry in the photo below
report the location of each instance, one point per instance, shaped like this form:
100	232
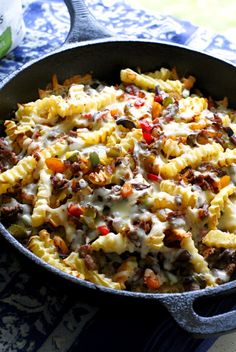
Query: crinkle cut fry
18	172
172	148
199	263
143	81
78	264
42	198
56	105
10	128
113	243
99	136
189	198
217	205
226	158
220	239
43	246
192	158
59	148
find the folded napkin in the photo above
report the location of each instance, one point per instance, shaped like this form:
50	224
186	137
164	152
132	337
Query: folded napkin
38	314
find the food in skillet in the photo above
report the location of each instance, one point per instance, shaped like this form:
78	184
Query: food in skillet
130	187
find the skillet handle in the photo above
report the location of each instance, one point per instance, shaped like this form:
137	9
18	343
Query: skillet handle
181	309
84	26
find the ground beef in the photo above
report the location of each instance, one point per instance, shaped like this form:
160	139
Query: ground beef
89	262
190	284
84	250
10	210
7	157
8	213
230	269
59	183
134	238
221	258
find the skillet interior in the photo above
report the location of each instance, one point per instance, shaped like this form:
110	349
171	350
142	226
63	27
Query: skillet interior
105	58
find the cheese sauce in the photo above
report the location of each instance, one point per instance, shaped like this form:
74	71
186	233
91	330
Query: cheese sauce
124	184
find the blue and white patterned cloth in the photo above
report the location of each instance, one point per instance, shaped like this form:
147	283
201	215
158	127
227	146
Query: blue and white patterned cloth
37	314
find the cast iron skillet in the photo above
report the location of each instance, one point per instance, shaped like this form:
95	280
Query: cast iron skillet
105	55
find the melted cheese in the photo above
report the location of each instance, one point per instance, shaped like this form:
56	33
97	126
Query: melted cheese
120	195
176	129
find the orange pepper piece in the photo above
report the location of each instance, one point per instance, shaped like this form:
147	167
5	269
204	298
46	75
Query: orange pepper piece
115	112
126	190
152	283
56	165
156	109
189	82
180	139
224	181
213	134
151	279
197	126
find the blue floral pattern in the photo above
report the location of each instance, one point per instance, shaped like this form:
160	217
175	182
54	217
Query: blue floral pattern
35	315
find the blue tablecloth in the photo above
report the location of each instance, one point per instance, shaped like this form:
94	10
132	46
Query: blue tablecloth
38	314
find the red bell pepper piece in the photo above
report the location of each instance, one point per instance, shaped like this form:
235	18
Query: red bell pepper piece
139	102
104	230
148	137
88	116
158	99
153	177
145	125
